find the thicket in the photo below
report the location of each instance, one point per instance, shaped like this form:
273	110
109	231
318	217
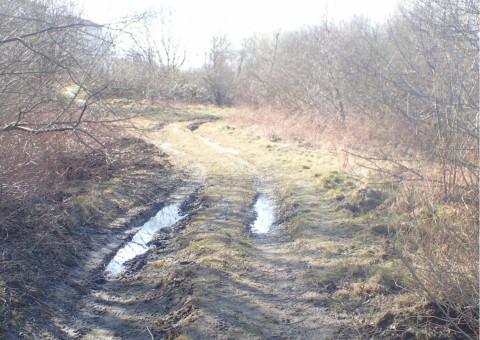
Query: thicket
406	94
402	97
51	64
58	138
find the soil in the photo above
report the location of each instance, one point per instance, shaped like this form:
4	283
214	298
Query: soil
208	276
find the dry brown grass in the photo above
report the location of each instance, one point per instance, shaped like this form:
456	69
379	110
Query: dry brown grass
440	248
35	166
61	202
433	206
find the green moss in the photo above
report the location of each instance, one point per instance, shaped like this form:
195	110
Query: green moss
83	208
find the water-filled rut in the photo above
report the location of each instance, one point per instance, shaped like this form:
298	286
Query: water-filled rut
227	270
166	217
265	215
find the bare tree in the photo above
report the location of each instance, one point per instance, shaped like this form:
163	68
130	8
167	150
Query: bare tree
52	66
413	83
150	68
219	74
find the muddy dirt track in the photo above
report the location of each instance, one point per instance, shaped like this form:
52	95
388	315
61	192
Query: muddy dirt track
208	276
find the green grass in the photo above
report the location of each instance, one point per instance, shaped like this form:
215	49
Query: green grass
308	186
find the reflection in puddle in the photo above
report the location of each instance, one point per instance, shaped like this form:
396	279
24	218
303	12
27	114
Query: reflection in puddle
138	245
265	216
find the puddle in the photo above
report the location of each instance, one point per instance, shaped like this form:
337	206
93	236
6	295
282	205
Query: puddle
139	243
265	216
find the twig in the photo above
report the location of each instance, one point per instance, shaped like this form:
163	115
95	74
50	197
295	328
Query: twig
433	298
150	333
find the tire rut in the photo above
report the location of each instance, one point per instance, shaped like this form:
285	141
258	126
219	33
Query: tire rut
210	277
260	294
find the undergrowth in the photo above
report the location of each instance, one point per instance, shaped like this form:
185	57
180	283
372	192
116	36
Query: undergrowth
43	237
431	234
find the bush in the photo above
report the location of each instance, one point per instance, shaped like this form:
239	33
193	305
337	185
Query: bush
441	250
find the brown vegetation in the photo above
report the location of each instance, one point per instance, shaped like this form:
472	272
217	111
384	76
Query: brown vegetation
400	99
57	140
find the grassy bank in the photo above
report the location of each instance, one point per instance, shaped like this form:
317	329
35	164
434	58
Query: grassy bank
428	238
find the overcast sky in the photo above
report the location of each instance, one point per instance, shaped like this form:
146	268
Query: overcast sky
194	22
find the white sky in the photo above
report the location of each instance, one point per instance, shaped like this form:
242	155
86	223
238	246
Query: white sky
195	22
